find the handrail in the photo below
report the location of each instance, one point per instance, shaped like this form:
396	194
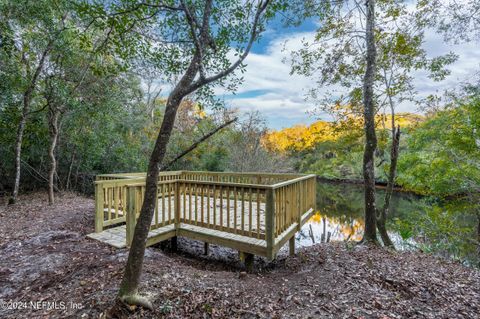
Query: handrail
243	173
292	181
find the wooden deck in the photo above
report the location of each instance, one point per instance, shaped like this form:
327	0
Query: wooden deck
252	212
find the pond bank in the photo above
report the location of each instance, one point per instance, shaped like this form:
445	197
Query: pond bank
378	184
44	255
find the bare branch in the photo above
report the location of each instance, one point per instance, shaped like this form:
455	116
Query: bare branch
195	145
201	82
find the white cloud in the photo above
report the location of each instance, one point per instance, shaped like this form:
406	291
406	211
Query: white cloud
282	101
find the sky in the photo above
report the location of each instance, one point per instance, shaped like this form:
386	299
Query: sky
269	88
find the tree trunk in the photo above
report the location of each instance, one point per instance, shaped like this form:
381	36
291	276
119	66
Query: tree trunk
382	215
27	98
131	278
53	115
18	148
70	167
128	292
478	238
370	234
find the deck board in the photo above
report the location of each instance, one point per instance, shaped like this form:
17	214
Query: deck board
116	236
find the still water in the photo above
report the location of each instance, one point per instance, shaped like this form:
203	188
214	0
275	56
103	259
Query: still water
340	210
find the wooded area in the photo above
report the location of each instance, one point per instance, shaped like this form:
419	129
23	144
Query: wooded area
91	90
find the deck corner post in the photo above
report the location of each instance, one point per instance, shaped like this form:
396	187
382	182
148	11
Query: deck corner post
174	243
177	206
270	222
99	206
130	218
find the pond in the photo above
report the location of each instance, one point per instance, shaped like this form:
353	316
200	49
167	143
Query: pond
445	228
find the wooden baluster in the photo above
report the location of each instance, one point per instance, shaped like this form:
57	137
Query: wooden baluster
243	210
214	196
221	207
287	206
190	203
202	198
184	207
176	203
280	213
285	213
214	206
124	200
284	209
228	207
196	203
258	213
250	212
169	189
235	209
278	210
164	218
288	192
109	203
117	199
209	203
156	208
295	204
105	198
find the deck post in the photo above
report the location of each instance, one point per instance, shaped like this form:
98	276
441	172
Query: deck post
98	207
298	203
174	243
292	245
205	248
130	218
248	262
177	205
270	222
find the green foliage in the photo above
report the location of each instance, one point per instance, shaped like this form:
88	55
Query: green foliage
158	34
444	228
443	153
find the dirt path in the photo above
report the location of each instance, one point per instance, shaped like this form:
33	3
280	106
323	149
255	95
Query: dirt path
47	262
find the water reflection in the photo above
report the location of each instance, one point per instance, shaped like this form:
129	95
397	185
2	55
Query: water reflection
339	215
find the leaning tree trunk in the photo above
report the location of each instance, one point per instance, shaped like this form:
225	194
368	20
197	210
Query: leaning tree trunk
370	234
382	215
128	292
131	279
53	115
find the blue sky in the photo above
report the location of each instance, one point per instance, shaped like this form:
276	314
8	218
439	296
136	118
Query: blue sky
280	97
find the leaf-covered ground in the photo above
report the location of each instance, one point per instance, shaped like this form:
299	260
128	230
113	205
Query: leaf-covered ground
45	257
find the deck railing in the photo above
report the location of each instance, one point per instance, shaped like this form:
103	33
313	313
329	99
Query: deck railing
261	206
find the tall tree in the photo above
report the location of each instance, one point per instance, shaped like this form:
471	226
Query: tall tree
195	42
32	29
370	56
369	118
